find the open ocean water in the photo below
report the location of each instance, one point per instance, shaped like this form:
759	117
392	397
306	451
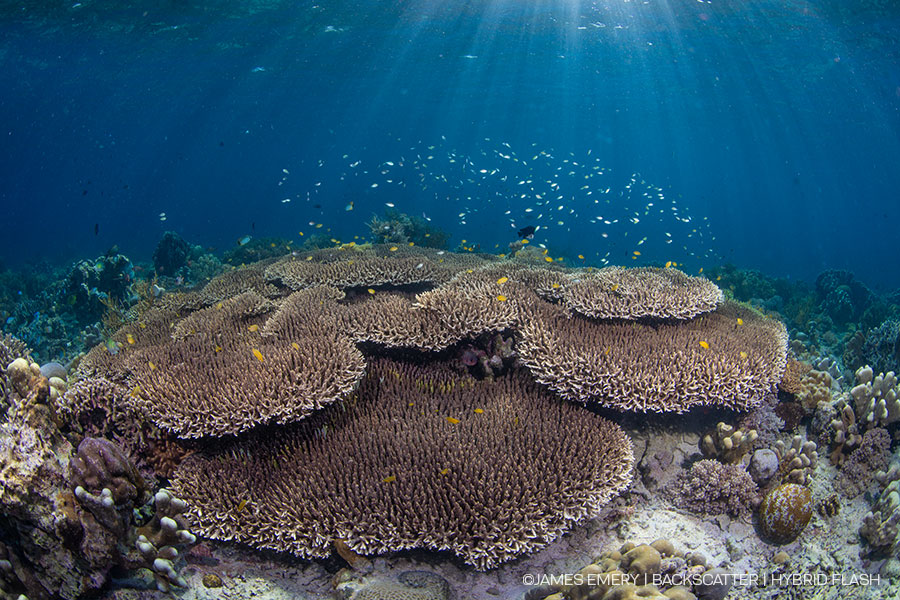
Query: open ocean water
149	146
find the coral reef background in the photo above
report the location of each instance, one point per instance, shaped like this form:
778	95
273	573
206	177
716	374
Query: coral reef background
113	480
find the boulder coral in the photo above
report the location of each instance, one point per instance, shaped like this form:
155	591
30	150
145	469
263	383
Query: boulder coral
785	512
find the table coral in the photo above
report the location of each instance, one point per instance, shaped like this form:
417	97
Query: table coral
418	457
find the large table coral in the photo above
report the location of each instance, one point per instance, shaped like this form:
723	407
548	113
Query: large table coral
419	457
212	364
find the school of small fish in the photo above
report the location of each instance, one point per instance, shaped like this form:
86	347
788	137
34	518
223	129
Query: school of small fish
560	194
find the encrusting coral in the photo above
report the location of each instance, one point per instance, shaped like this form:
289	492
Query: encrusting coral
419	457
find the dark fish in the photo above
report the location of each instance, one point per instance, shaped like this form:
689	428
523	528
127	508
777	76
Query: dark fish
527	232
253	226
96	228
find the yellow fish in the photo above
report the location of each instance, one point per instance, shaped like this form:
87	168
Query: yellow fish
501	298
253	327
615	287
452	420
393	248
390	479
295	345
704	344
257	354
444	471
581	256
637	253
744	354
524	241
130	338
555	286
740	321
479	411
548	259
668	263
218	348
370	290
502	280
151	365
242	505
219	306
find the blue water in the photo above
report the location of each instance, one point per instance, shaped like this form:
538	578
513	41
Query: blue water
769	127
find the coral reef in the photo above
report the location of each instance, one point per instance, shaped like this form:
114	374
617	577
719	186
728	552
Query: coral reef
727	444
405	463
713	488
619	293
843	297
255	355
654	571
793	374
877	399
618	364
879	347
92	286
68	518
234	365
400	228
871	456
257	249
797	461
171	254
846	436
814	388
785	512
161	540
881	525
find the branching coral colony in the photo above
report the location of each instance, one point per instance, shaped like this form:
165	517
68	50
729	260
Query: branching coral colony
425	449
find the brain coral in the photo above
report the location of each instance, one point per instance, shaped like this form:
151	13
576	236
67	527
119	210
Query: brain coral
419	457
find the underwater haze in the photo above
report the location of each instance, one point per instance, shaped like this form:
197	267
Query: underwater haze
762	133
